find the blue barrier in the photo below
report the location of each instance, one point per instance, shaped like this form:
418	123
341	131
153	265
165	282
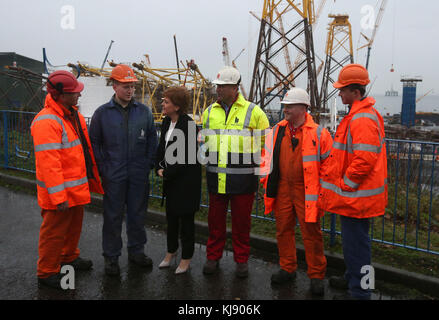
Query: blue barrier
412	215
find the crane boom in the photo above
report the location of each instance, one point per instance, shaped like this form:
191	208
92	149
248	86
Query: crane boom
378	20
106	56
422	97
226	56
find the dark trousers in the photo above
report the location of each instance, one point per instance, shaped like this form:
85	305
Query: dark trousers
135	196
356	252
182	226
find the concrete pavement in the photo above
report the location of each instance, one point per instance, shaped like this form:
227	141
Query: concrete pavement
20	220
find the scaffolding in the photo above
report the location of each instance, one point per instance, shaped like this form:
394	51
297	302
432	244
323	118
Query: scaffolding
273	40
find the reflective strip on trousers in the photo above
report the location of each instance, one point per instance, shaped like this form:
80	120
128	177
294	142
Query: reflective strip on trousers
61	187
230	170
355	194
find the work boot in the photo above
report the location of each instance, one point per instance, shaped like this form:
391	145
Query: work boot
140	259
210	267
53	281
338	283
242	270
282	277
112	266
79	264
317	287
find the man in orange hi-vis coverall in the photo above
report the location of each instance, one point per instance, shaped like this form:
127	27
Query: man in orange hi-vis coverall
66	172
354	179
294	150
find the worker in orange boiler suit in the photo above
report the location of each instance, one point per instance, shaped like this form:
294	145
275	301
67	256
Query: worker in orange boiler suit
293	153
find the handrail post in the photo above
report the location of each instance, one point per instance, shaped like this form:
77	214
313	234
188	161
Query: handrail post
5	139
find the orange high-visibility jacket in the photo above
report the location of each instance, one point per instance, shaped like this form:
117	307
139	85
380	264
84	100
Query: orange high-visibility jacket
354	180
59	159
316	147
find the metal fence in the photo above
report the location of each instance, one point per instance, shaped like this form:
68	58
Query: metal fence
412	216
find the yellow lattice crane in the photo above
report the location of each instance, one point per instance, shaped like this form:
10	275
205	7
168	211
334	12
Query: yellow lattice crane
339	51
153	81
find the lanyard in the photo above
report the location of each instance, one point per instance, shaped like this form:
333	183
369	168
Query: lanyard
293	131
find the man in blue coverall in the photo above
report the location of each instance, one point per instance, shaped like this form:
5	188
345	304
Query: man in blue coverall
124	141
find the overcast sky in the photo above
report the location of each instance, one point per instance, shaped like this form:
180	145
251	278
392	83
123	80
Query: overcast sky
409	30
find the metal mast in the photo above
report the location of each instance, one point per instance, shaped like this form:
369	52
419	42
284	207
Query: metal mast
272	41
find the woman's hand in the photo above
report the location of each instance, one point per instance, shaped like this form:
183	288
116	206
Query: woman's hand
160	172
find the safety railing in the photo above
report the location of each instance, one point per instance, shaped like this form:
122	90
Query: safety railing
412	216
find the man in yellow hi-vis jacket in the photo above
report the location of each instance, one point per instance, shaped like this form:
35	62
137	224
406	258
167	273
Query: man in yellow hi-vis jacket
233	130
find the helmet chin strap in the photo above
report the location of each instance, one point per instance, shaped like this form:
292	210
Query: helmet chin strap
58	87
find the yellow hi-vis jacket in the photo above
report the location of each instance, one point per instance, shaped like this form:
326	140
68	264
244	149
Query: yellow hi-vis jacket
233	146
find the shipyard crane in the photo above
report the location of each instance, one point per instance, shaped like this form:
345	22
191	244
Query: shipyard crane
314	26
370	40
339	52
285	48
423	96
226	55
226	58
106	56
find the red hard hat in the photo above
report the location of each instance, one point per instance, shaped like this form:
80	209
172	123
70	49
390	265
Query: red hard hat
63	81
352	73
123	73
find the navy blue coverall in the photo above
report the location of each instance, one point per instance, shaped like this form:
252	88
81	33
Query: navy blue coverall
124	142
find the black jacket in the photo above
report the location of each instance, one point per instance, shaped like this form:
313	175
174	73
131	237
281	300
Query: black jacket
181	180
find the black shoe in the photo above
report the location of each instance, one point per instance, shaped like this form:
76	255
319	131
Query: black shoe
317	287
140	259
112	266
210	267
282	277
53	281
79	264
338	283
242	270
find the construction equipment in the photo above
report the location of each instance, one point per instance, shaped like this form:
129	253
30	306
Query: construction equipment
226	58
339	51
423	96
370	40
153	81
32	82
272	41
106	56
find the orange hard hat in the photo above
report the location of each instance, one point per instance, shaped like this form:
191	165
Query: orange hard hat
123	73
352	73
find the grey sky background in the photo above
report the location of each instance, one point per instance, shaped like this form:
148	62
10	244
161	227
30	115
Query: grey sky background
409	29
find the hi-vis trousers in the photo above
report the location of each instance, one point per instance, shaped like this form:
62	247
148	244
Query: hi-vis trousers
289	204
59	238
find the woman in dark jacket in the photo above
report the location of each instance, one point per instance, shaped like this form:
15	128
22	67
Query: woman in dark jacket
177	163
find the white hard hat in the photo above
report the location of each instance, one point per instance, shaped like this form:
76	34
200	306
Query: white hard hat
296	96
228	75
